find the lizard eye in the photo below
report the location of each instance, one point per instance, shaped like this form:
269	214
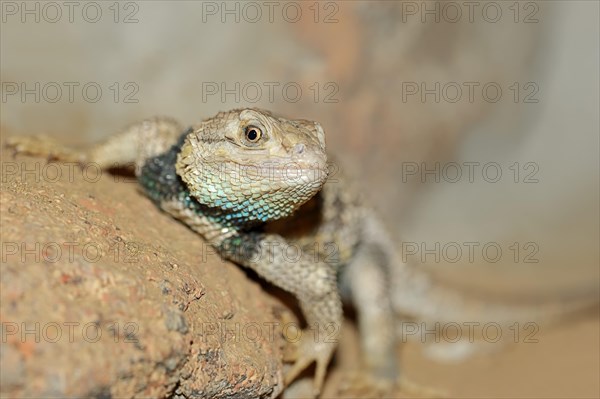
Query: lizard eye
253	134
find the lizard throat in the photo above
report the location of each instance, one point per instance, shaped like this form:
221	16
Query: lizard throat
255	194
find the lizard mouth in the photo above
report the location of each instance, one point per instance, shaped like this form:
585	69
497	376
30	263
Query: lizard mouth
265	177
275	171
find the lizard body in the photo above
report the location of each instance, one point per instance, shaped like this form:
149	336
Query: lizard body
228	189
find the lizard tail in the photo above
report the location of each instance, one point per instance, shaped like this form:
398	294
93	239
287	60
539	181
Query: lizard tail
416	294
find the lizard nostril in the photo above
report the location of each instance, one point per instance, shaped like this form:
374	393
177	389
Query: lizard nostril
299	148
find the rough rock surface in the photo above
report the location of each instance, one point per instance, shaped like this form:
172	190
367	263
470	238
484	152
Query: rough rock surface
104	296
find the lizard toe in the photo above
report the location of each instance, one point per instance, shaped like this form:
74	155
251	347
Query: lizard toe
311	351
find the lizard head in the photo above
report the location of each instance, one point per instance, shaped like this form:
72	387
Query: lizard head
252	164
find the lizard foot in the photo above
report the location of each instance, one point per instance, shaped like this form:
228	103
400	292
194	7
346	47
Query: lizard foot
413	389
43	146
364	385
310	349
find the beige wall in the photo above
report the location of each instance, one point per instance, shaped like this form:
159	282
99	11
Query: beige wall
370	57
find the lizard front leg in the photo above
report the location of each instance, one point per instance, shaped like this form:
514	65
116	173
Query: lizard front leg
134	144
313	282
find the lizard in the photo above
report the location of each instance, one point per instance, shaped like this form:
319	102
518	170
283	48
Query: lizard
243	179
253	184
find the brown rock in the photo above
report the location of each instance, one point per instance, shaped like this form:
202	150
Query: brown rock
103	295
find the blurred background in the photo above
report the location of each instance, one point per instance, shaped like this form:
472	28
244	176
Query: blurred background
465	125
460	123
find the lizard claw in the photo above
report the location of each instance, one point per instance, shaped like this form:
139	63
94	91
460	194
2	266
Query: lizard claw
414	389
311	350
41	145
361	385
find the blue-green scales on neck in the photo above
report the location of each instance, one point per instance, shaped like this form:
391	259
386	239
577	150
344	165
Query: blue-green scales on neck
161	183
